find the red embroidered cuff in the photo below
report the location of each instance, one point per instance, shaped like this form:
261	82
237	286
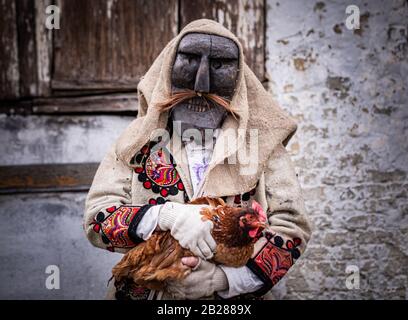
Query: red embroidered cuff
118	228
273	261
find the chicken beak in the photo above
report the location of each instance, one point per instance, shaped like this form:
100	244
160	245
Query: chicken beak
256	229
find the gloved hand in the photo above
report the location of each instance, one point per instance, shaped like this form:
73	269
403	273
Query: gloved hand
185	225
205	279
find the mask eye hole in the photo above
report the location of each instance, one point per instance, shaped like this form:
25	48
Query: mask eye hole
190	57
216	64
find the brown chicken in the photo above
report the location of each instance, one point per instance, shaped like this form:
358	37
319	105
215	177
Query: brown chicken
158	260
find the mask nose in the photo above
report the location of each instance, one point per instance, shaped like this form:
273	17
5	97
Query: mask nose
202	82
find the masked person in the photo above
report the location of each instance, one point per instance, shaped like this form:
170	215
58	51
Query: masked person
200	91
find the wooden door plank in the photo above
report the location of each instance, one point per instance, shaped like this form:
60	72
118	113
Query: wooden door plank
9	71
27	53
117	103
113	103
46	177
34	48
110	44
44	48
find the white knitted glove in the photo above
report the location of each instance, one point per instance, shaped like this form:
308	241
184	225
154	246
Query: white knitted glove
205	279
185	225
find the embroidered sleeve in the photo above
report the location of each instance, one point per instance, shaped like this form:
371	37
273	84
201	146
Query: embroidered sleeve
111	216
288	232
274	259
117	226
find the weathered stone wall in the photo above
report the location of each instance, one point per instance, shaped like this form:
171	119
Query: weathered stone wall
348	91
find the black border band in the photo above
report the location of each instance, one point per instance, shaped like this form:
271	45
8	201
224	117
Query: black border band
135	222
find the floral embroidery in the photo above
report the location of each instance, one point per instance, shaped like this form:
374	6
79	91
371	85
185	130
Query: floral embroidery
157	171
113	229
275	259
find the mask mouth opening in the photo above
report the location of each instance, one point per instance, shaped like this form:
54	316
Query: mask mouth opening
198	105
199	101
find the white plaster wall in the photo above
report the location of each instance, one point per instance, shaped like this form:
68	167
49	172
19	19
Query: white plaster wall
348	92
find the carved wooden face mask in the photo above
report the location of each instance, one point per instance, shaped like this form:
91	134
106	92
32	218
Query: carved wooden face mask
206	64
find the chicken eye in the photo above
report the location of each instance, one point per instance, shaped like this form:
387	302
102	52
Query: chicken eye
216	218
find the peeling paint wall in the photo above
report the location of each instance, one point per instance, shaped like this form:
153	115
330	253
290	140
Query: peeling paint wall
348	92
43	229
57	139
